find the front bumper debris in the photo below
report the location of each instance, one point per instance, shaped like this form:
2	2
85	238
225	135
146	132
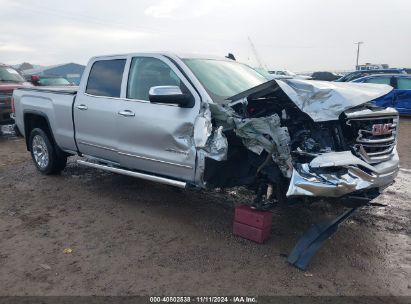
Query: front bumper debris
338	173
313	238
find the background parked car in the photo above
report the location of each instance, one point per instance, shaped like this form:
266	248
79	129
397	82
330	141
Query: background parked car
265	73
358	74
287	74
48	80
10	79
399	98
327	76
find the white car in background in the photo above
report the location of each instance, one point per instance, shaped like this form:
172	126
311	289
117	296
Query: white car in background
270	76
288	74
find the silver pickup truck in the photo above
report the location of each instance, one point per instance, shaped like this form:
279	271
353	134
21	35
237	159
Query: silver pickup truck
206	122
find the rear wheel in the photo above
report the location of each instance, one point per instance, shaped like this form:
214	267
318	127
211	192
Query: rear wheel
46	156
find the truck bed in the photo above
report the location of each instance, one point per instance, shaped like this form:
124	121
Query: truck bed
71	90
55	105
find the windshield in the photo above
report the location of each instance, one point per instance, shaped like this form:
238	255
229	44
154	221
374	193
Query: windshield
223	79
8	74
53	81
264	73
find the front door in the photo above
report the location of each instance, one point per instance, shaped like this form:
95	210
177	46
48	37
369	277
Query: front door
95	111
156	138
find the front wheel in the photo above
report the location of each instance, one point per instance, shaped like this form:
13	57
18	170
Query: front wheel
47	158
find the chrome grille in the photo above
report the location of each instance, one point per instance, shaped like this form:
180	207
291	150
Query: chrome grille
376	137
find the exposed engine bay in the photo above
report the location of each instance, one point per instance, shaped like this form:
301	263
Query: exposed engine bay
298	138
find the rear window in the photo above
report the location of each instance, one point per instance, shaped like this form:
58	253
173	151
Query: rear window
105	78
404	83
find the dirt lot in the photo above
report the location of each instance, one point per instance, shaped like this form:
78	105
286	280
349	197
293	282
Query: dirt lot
131	237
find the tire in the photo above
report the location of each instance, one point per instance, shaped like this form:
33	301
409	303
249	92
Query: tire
47	157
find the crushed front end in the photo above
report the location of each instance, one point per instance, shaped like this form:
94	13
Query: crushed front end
362	161
296	138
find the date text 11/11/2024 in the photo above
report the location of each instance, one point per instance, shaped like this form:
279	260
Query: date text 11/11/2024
204	299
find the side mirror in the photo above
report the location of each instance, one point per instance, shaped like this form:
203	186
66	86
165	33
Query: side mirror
169	95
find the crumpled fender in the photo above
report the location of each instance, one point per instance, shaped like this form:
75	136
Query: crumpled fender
324	100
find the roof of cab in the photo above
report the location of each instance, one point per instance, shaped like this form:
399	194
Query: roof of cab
168	54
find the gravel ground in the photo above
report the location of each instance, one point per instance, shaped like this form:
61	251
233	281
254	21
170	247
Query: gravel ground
88	232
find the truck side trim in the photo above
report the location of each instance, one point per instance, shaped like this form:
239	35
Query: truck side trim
135	156
155	160
148	177
104	97
97	146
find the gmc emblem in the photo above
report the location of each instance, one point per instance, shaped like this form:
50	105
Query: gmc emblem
381	129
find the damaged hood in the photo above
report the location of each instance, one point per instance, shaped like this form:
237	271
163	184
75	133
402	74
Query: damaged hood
321	100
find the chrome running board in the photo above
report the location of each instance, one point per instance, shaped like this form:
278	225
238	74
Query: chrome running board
153	178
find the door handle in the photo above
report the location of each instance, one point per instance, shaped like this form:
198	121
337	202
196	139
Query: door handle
82	107
127	113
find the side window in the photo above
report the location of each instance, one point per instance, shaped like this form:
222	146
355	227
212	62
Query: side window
379	80
404	83
147	72
105	78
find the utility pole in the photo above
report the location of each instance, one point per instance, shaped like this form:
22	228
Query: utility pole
358	51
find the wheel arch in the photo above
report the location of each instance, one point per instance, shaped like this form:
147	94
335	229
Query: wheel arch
36	119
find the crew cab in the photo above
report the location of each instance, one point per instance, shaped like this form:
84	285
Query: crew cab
207	122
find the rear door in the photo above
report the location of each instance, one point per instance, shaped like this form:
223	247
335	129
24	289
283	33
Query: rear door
403	95
157	138
95	109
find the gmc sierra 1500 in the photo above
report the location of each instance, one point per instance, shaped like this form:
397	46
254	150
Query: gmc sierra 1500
207	122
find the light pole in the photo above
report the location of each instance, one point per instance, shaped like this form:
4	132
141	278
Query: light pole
358	52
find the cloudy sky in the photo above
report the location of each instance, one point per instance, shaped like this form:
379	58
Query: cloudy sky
300	35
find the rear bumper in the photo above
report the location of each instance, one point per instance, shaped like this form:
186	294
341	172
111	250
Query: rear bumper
336	174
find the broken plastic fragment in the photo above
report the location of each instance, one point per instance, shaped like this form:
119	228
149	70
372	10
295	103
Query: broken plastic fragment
45	266
67	250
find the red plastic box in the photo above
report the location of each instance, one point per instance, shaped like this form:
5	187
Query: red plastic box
251	233
252	224
253	218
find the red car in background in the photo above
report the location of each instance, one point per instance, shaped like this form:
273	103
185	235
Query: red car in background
10	79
